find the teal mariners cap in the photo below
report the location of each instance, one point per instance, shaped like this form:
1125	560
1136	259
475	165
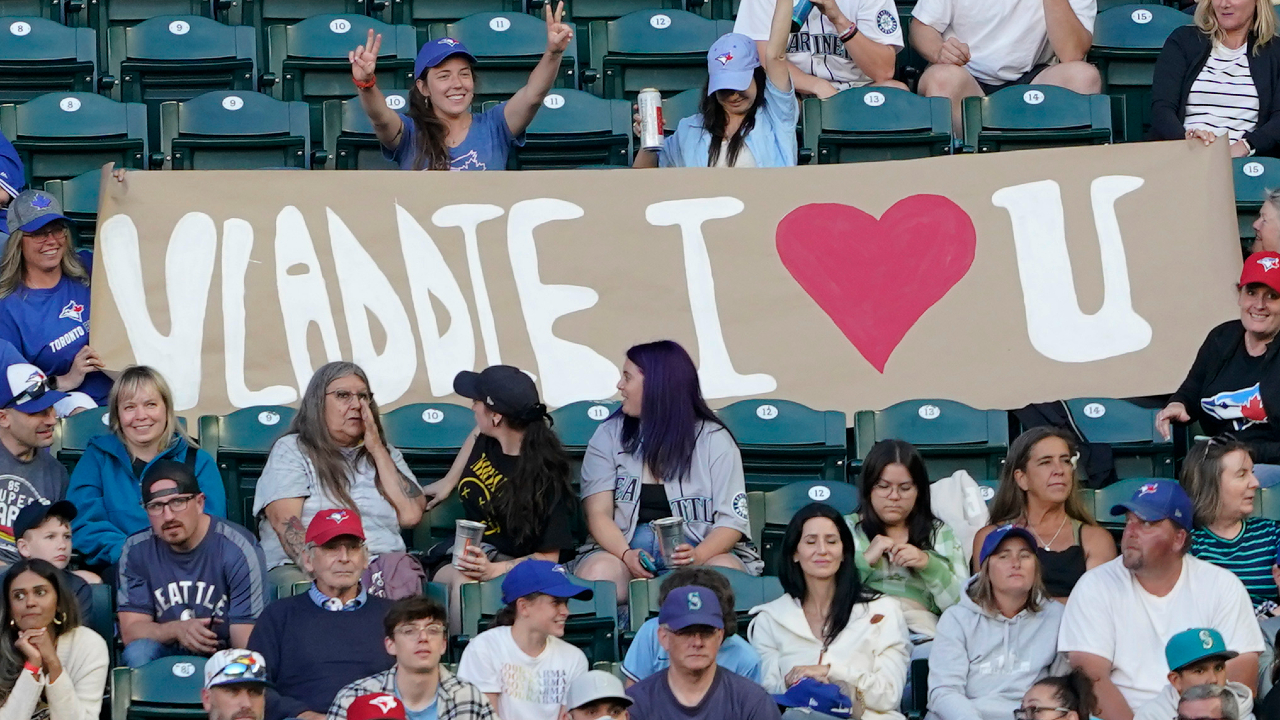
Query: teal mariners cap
1194	645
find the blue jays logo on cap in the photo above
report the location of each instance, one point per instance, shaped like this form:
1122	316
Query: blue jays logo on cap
724	58
73	310
1147	489
1269	263
448	41
338	515
41	202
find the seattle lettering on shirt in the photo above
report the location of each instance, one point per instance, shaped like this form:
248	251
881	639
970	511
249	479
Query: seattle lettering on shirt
178	593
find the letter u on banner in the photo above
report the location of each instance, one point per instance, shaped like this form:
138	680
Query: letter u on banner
1056	326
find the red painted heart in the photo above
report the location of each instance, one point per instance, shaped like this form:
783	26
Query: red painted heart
875	278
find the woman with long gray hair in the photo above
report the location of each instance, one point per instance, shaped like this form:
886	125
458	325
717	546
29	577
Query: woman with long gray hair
334	456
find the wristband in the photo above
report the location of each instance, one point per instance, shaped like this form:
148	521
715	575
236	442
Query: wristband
1248	146
847	35
373	80
35	671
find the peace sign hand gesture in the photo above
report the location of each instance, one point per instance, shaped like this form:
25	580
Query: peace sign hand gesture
559	34
364	59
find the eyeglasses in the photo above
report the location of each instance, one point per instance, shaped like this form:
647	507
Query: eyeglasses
1038	713
34	391
177	505
346	396
432	630
890	488
50	230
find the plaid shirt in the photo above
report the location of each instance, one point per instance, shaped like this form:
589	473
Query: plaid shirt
456	699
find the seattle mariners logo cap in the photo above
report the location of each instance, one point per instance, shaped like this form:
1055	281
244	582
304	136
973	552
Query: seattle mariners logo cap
1261	267
377	706
541	576
32	210
731	63
691	605
1159	500
235	667
1192	646
436	52
336	522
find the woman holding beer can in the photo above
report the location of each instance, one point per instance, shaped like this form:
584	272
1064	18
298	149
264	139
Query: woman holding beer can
663	461
439	131
748	114
512	476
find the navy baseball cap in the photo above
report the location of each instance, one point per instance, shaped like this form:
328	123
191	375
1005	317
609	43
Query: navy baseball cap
691	605
32	210
997	536
541	576
32	515
732	63
1159	500
26	389
504	389
436	52
818	697
12	174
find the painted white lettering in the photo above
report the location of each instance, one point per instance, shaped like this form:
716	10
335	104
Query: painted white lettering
303	295
237	247
468	217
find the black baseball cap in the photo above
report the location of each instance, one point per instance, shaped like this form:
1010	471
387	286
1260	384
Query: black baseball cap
33	515
169	470
504	389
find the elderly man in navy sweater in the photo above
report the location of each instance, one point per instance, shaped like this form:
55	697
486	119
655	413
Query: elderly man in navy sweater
319	641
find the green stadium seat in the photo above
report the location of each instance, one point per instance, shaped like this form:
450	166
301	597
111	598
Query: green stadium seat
585	12
72	435
678	107
950	435
748	592
782	504
575	128
915	707
1035	116
1127	39
592	624
428	15
864	124
232	130
103	619
1108	497
62	135
263	14
429	435
783	442
349	140
575	423
309	59
164	689
988	489
79	199
1137	447
1253	176
40	56
1267	503
47	9
437	524
662	49
507	46
240	442
104	14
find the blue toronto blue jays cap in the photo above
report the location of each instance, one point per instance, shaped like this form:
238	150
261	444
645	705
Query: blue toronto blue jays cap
32	210
1194	645
731	63
26	389
997	536
818	697
1159	500
436	52
541	576
691	605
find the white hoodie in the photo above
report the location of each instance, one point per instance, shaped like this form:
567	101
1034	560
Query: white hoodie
870	655
1165	705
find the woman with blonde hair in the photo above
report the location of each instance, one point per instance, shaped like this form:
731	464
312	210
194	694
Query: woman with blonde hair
106	485
1221	76
1038	492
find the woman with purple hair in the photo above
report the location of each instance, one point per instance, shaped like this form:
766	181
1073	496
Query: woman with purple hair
663	454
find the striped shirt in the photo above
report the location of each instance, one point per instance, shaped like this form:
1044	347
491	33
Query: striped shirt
1249	556
1223	98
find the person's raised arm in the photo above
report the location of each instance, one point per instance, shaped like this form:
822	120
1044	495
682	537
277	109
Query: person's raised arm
875	59
774	58
1111	703
387	123
522	106
402	491
1068	36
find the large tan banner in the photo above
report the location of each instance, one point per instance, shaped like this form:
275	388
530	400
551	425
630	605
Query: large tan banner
995	279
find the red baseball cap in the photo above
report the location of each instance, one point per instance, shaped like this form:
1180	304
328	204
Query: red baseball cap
1262	267
329	524
376	706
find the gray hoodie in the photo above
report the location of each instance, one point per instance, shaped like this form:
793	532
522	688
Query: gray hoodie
982	663
1165	705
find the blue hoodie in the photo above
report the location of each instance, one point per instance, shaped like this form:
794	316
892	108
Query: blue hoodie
108	495
12	179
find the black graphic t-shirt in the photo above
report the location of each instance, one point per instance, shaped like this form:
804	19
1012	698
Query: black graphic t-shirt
1232	401
43	479
483	479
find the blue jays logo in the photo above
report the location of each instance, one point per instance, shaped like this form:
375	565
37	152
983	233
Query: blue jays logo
724	59
886	22
470	161
338	516
1269	263
560	569
448	41
1242	407
41	202
1148	489
73	310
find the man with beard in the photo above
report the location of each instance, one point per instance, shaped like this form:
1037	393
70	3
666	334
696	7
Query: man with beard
1123	612
191	585
235	685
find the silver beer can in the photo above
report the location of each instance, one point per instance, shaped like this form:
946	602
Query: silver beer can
670	534
649	102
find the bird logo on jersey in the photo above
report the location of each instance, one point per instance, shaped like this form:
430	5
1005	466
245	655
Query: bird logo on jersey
338	516
724	58
1242	407
73	310
1147	489
1269	263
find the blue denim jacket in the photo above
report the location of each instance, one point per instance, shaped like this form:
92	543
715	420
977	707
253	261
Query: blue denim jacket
772	141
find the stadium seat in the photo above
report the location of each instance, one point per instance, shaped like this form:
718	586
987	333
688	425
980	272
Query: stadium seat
678	107
79	199
950	435
585	12
1253	176
915	707
988	489
662	49
40	56
1267	503
164	689
573	129
437	524
240	443
427	16
103	619
575	423
232	130
783	442
104	14
1108	497
62	135
864	124
1137	447
782	504
1127	39
429	435
265	14
72	435
507	46
309	59
47	9
592	624
748	592
1035	116
348	136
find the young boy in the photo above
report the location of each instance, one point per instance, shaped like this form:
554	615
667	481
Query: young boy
595	695
1196	657
44	532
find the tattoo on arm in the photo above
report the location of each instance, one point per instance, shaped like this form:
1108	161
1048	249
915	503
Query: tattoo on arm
294	538
410	487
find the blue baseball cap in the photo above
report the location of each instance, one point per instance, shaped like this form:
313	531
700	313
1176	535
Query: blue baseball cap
26	389
1159	500
12	174
32	210
541	576
691	605
436	52
818	697
1194	645
997	536
731	63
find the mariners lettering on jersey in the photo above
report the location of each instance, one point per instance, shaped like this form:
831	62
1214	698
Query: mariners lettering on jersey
626	489
67	338
191	594
695	509
817	44
1242	407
